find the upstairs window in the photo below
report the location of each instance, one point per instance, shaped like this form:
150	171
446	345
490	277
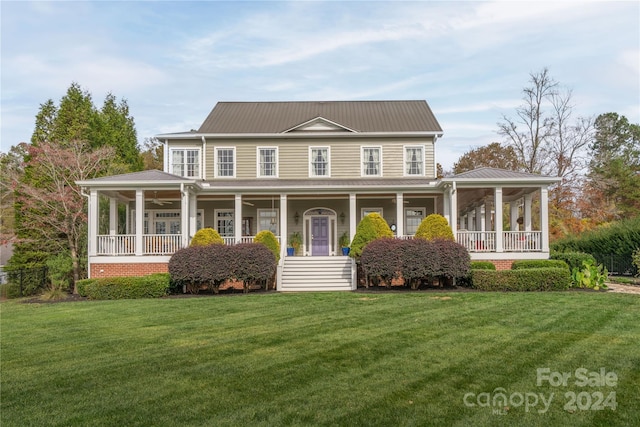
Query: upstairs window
371	161
319	165
225	162
414	160
267	162
185	162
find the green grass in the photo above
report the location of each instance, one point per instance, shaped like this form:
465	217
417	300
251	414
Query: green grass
387	359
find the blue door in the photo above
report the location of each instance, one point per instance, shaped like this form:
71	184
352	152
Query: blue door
320	235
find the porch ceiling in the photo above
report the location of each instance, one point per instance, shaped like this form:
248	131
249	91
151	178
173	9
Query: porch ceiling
476	196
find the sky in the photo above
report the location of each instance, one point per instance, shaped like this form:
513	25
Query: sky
172	61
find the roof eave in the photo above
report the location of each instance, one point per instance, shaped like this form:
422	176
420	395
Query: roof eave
289	135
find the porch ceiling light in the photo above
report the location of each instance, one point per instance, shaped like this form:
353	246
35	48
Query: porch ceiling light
342	217
296	217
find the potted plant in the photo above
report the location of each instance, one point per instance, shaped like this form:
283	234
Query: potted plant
295	241
344	243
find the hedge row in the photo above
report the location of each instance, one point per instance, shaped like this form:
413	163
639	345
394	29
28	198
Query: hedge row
538	263
573	259
151	286
212	265
532	279
416	260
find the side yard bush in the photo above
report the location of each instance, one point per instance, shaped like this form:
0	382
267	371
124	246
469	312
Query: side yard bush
538	263
531	279
151	286
573	259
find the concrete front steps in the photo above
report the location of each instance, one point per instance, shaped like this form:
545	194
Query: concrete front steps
317	273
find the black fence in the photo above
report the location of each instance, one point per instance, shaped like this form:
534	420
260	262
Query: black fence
22	282
617	265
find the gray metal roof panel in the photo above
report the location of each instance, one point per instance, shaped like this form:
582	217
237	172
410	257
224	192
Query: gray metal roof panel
361	116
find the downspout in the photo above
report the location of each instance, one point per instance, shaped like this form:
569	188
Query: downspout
204	158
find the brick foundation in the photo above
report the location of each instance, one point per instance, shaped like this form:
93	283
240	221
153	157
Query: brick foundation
121	270
502	264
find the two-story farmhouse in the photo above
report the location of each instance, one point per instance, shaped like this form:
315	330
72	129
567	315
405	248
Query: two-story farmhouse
315	168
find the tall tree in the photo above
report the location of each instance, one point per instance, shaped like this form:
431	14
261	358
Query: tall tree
55	210
75	117
494	155
115	127
152	154
614	170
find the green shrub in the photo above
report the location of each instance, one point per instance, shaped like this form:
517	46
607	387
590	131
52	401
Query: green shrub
573	259
82	285
482	265
151	286
531	279
636	259
372	227
25	281
206	236
269	239
590	276
434	226
538	263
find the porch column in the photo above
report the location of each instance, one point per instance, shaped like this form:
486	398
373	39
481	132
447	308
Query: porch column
446	205
544	218
94	212
237	219
193	215
470	226
487	216
127	220
454	211
139	222
284	215
527	212
399	214
353	223
113	216
513	215
479	221
184	216
498	220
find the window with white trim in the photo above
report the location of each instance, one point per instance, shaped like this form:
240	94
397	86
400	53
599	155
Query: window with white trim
371	161
319	158
414	160
366	211
269	219
225	162
185	162
267	162
412	219
224	222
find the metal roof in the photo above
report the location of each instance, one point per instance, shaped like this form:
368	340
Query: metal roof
144	177
360	116
487	174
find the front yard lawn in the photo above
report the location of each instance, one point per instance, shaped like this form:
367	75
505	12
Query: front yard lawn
387	359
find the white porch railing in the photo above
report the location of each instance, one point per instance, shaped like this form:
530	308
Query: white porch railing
522	241
478	241
122	244
161	244
512	241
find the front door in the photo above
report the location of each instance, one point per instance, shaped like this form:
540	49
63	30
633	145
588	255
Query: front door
320	235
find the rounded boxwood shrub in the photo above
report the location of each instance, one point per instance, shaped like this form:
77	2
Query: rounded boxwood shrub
268	239
434	226
206	236
372	227
382	258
